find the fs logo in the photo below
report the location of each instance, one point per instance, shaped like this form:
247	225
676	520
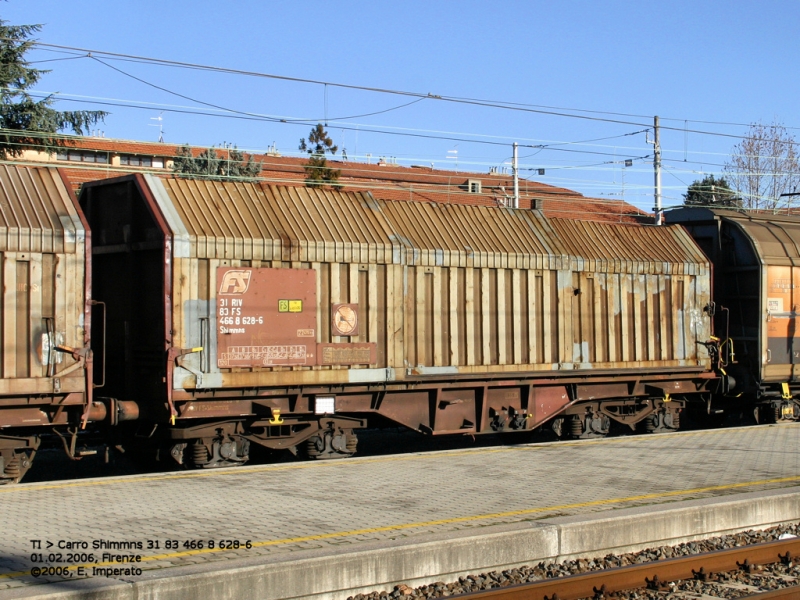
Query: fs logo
235	282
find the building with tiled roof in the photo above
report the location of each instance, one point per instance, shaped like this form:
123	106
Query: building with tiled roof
93	158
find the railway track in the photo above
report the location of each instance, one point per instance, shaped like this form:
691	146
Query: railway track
769	563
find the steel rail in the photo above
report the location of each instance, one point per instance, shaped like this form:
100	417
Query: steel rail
787	593
653	574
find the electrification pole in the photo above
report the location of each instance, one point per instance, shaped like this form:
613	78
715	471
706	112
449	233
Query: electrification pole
515	168
657	166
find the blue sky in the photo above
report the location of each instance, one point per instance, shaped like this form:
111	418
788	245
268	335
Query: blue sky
710	67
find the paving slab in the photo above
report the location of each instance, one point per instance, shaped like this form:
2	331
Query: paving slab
324	529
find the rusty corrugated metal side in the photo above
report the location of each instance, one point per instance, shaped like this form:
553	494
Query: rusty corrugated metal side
667	250
244	221
454	235
42	241
657	282
438	289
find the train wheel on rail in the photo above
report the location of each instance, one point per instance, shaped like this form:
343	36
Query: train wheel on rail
332	443
221	451
591	425
14	463
666	418
780	411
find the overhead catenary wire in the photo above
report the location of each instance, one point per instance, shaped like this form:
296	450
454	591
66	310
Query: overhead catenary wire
360	127
255	117
82	53
549	145
571	147
506	105
92	53
356	167
306	122
542	146
230	110
345	165
357	170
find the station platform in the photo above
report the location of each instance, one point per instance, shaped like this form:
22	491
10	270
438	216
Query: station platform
330	529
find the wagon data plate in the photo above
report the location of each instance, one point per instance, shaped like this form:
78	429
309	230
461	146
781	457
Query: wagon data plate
266	317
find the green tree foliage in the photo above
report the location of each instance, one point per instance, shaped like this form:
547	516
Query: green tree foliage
711	192
232	164
26	123
237	165
185	163
317	170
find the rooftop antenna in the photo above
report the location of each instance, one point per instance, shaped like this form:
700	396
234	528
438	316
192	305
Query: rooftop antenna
453	155
160	125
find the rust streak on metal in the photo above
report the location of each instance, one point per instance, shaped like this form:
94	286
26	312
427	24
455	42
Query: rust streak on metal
87	298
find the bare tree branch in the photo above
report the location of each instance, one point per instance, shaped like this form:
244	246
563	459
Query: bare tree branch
763	166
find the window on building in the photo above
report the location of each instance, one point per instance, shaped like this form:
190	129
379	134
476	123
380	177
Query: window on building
474	186
82	156
133	160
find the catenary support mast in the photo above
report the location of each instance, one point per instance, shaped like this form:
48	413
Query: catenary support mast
515	168
659	213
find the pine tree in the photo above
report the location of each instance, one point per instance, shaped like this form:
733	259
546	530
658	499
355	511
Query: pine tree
317	170
24	122
185	162
240	166
711	192
210	165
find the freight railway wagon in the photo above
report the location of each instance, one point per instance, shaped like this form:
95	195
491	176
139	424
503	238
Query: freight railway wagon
241	313
44	356
756	260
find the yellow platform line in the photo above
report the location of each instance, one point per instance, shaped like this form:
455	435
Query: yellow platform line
243	471
438	522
